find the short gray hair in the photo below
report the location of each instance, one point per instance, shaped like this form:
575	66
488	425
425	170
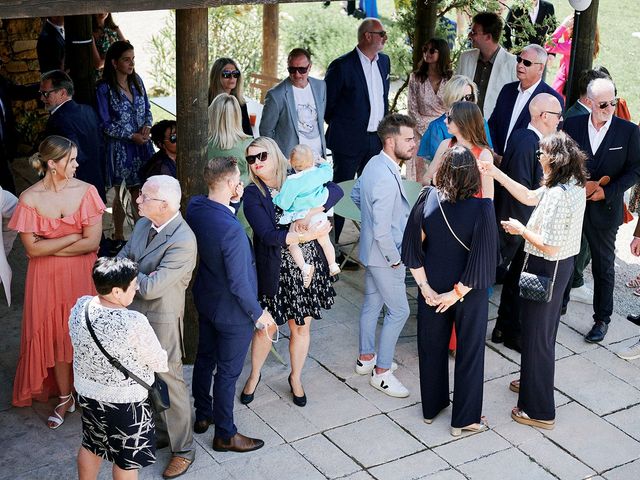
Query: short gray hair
599	84
540	53
365	26
168	189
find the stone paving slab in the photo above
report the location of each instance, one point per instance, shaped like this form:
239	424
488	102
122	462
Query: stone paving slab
326	457
472	447
627	420
625	472
551	458
413	467
509	464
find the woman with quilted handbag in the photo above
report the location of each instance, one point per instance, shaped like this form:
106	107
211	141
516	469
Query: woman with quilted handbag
552	239
117	416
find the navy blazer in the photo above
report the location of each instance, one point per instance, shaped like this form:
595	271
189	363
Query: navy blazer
501	116
79	123
347	111
618	156
269	238
225	287
50	48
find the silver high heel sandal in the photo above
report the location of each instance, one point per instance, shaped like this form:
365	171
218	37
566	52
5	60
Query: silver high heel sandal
56	419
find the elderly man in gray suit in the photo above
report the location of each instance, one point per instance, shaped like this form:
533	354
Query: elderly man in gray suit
294	109
165	248
384	206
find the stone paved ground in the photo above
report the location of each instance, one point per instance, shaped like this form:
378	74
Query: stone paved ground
348	430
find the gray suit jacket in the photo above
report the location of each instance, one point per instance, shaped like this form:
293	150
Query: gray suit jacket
279	117
171	257
384	208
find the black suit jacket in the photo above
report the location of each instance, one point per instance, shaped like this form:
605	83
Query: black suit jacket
501	116
79	123
618	156
50	49
517	20
347	111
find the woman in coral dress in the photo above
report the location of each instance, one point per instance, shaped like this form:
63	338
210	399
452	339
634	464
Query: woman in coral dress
60	223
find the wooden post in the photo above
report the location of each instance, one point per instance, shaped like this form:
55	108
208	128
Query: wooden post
191	90
426	17
270	35
582	46
79	57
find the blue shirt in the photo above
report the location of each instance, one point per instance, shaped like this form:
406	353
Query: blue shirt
436	133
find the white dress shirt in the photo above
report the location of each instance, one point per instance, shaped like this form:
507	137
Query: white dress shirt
536	131
521	101
596	136
375	88
533	13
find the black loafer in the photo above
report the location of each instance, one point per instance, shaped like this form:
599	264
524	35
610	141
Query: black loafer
597	332
299	401
247	398
201	426
497	336
514	343
634	319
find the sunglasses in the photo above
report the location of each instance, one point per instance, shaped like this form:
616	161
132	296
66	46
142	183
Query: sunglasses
448	117
382	33
559	114
539	154
527	63
46	93
172	138
473	33
231	73
430	51
603	105
300	70
470	97
251	159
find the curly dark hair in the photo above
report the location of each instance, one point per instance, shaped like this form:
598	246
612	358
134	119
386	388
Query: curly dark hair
566	160
458	177
443	64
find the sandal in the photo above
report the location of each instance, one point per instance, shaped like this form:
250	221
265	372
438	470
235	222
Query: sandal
56	420
635	283
636	292
520	417
514	386
307	275
473	428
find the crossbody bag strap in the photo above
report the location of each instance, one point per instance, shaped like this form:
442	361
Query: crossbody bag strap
447	222
114	362
555	270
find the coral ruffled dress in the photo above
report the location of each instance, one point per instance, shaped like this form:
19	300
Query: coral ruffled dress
52	288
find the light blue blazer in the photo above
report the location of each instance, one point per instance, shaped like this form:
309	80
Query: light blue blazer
384	209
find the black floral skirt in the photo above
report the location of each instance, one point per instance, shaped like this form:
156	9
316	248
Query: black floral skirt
293	301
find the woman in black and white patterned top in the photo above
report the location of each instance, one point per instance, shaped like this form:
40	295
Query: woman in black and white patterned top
117	418
552	239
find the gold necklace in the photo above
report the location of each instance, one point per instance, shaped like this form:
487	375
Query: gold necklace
55	190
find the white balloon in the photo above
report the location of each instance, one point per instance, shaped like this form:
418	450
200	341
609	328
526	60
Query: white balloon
580	5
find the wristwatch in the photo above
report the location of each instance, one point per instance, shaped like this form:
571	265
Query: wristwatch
301	238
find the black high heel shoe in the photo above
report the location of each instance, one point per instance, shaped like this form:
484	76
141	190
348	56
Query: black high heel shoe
247	398
299	401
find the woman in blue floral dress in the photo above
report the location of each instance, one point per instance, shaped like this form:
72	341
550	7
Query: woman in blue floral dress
125	115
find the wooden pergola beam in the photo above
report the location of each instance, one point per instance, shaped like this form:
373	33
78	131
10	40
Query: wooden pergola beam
44	8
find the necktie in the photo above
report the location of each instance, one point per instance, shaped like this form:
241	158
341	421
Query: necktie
152	234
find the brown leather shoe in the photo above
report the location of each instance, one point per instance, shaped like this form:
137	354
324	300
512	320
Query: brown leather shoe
177	466
201	426
237	443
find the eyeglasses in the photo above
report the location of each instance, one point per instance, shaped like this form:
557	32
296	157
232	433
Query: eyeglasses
473	33
430	51
300	70
382	33
46	93
251	159
603	105
527	63
231	73
559	114
172	138
470	97
146	198
539	154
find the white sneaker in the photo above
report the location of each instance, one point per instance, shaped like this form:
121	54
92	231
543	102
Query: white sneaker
582	294
631	352
365	367
388	383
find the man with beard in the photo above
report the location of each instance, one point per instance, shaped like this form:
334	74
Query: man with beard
384	207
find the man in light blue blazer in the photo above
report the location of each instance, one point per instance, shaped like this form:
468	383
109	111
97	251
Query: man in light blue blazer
384	208
294	109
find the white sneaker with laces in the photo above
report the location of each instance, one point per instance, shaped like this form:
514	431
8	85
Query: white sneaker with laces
388	383
365	367
582	294
631	352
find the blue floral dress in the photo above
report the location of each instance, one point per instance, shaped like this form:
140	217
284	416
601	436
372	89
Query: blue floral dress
120	118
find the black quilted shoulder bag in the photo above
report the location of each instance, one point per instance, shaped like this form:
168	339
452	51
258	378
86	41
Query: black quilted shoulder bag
537	288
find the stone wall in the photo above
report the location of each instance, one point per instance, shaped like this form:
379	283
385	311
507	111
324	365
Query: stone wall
18	39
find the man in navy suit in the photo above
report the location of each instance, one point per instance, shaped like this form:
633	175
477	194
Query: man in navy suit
51	45
512	107
79	123
613	150
357	99
226	297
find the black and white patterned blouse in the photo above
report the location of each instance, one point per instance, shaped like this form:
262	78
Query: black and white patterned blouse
128	337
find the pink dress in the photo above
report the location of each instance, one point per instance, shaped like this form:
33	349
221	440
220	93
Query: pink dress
560	45
52	287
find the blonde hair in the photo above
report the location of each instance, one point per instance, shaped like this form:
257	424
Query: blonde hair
274	152
303	156
55	148
454	90
225	122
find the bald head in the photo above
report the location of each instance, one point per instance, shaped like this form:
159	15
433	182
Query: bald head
546	113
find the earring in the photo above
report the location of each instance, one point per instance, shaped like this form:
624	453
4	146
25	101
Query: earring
53	172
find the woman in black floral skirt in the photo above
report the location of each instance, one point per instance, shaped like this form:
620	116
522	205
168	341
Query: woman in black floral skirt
280	283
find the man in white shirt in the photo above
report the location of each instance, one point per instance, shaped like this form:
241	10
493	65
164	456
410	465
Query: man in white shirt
294	109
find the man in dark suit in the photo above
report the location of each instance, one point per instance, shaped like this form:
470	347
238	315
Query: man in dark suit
512	106
357	99
79	123
581	106
225	292
51	45
613	149
520	162
528	24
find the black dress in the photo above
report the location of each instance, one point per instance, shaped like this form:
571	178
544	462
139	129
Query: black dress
293	301
447	262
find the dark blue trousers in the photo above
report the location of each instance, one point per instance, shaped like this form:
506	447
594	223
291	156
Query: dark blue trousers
221	346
